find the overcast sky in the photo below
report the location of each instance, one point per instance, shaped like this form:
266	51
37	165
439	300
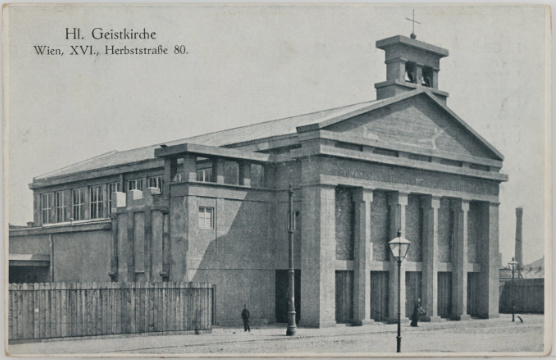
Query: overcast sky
250	64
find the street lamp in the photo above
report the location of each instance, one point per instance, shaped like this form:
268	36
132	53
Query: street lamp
513	265
291	272
399	247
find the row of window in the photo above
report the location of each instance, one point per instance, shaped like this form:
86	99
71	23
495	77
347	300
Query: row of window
61	206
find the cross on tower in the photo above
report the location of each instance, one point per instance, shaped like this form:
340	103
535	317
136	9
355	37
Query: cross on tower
413	36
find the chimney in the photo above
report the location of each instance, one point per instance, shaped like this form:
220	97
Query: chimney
518	238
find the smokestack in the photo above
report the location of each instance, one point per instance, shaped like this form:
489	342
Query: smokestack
518	241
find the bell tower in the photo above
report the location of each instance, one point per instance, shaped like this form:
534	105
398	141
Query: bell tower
410	64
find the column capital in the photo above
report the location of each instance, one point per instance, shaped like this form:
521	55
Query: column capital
363	195
460	204
398	198
430	202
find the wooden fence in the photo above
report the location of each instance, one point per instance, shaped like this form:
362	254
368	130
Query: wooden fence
54	310
527	294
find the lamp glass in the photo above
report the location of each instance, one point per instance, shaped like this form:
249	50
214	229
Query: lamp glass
399	247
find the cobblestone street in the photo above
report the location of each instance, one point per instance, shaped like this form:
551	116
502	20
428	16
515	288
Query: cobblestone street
473	336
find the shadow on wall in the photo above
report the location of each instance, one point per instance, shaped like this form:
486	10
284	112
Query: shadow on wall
237	255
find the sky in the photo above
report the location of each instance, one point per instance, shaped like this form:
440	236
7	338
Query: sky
247	64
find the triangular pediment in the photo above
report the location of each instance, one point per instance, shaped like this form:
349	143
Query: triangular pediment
421	122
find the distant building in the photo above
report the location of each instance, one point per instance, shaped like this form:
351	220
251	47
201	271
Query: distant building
534	270
214	208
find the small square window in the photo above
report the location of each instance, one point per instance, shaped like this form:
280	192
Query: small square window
206	217
155	182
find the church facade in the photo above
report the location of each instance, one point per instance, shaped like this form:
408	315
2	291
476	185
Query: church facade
215	208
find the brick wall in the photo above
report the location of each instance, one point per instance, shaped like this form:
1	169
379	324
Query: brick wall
344	224
380	220
445	231
414	228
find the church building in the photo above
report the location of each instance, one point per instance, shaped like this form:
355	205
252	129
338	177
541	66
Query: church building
214	208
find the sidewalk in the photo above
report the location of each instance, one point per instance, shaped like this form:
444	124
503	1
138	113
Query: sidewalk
267	337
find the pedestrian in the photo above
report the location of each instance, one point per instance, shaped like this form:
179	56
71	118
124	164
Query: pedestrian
417	310
245	315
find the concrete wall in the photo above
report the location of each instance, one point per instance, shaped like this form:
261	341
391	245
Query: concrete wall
83	257
237	253
280	225
30	244
77	253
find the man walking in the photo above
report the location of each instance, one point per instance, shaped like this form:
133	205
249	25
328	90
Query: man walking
245	316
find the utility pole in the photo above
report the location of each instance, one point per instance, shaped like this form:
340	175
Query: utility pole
292	328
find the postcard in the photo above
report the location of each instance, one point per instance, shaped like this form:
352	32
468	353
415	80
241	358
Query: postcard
277	180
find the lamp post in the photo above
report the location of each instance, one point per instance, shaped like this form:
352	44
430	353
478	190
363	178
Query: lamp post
399	247
291	272
513	265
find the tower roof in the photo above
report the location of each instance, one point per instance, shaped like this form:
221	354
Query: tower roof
403	40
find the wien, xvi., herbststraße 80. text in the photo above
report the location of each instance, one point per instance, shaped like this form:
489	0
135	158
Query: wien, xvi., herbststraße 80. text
99	33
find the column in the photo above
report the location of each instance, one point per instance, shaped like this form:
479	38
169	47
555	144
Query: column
490	261
362	199
166	246
218	170
157	244
179	227
418	73
114	248
430	205
190	167
244	173
126	267
397	202
395	70
37	213
170	171
318	257
459	260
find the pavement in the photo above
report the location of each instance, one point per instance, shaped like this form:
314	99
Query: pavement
478	337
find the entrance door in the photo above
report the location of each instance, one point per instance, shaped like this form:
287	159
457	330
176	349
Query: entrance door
413	287
472	294
344	296
379	295
281	298
445	294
